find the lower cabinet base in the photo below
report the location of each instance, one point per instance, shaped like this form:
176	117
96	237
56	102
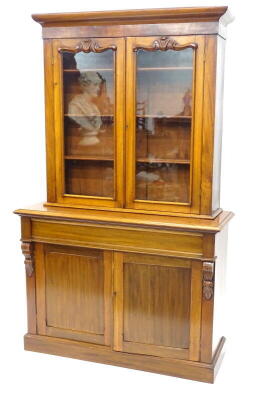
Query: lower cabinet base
89	352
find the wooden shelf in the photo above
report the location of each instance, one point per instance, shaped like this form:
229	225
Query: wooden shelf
138	69
88	158
172	117
162	160
85	116
140	159
87	69
163	68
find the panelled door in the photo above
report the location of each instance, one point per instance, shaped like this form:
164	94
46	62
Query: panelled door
164	84
157	307
74	293
89	120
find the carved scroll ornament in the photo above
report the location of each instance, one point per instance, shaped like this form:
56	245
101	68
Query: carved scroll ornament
165	43
27	250
208	280
87	46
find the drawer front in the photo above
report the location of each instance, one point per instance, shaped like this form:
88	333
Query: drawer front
119	238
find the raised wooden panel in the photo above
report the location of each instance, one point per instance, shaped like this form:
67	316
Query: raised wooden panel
74	291
76	287
157	306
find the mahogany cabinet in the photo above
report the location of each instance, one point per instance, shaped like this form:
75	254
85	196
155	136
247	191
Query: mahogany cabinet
125	262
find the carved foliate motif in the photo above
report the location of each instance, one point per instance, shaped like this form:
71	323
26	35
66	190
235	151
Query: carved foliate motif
88	46
27	250
208	280
165	43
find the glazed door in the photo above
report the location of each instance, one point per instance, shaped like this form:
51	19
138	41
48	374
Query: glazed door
74	293
89	117
164	105
157	308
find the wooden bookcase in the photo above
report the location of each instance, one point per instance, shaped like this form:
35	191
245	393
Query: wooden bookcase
125	262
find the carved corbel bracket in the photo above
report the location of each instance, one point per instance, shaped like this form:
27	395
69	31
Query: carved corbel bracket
165	43
27	250
208	280
87	46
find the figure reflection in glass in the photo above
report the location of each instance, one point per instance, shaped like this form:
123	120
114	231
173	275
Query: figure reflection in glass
187	101
84	111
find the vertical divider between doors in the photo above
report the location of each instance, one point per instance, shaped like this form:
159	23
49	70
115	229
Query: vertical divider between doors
120	121
107	264
58	120
130	122
118	300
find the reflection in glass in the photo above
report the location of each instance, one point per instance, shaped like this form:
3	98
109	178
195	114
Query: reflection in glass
162	182
92	178
88	84
164	59
163	125
83	111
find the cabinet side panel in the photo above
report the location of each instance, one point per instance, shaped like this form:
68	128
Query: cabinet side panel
218	122
208	125
219	287
49	120
207	299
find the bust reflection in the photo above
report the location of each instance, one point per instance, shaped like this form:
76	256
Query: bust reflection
82	109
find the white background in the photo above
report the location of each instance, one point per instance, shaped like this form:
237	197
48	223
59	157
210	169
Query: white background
22	183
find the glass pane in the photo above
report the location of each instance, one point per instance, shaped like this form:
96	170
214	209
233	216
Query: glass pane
163	125
93	178
162	182
88	84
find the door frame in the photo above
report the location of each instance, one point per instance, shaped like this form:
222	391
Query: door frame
59	45
193	206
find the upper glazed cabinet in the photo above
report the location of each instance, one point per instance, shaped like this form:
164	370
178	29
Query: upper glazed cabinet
131	120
